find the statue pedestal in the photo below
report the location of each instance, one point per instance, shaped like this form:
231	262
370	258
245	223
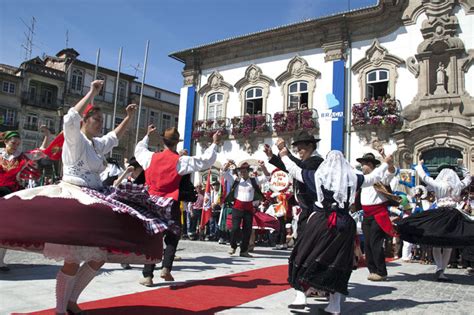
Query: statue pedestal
440	90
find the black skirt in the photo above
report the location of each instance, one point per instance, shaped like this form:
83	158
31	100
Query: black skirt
323	257
442	227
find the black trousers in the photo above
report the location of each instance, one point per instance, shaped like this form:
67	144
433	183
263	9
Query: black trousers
374	251
245	217
171	241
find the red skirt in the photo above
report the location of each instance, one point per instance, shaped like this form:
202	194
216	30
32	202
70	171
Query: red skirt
68	220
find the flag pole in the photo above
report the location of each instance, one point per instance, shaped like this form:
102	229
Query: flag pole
141	90
117	81
96	70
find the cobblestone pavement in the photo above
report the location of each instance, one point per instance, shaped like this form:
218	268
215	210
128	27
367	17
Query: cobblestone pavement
410	288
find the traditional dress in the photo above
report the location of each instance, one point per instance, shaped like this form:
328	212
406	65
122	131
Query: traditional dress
77	220
10	166
323	257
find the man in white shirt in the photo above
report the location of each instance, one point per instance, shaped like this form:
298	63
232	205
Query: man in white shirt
244	191
376	224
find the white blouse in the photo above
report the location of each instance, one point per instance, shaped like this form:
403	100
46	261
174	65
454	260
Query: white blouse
83	159
442	189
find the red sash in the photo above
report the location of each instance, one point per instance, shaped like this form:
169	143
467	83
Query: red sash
380	214
243	205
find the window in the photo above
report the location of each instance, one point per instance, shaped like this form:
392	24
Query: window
214	107
49	123
298	95
157	94
138	89
154	118
377	83
9	118
32	93
47	97
118	157
9	87
102	77
166	122
77	79
122	91
176	122
253	101
31	122
107	126
143	118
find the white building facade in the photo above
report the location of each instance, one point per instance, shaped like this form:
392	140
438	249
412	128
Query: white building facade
398	75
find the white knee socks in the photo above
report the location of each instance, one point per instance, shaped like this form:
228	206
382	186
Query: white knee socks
441	258
3	251
84	276
334	303
300	298
64	286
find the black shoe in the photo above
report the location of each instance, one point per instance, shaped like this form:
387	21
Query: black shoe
297	306
5	268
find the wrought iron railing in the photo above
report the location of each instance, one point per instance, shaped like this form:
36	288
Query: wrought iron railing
32	127
104	96
292	120
41	101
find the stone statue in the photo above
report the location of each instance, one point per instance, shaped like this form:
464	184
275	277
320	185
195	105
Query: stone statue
440	74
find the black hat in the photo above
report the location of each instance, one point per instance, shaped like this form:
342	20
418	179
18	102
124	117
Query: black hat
304	136
112	160
215	183
244	165
368	158
443	166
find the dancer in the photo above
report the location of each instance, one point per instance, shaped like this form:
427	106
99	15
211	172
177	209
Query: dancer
376	224
12	163
446	226
244	191
86	223
164	172
323	258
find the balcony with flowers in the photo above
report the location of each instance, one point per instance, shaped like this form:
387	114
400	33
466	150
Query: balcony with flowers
292	120
205	129
251	125
381	117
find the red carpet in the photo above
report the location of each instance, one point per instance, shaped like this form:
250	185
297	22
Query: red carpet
197	297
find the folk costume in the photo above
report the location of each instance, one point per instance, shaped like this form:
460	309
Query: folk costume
241	195
376	224
164	175
446	226
323	258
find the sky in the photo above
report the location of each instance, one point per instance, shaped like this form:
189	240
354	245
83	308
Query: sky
170	25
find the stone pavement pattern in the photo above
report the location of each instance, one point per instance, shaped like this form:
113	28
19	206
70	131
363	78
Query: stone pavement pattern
29	286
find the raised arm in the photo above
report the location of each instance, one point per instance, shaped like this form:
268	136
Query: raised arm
293	169
96	86
190	164
425	178
123	126
142	154
378	173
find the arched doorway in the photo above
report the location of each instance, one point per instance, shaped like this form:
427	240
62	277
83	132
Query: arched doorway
435	157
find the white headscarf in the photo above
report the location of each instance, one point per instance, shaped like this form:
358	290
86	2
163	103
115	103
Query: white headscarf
449	177
337	175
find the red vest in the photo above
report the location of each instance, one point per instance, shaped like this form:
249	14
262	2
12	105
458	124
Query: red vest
9	170
162	177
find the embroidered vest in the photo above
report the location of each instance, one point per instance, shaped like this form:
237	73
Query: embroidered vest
256	196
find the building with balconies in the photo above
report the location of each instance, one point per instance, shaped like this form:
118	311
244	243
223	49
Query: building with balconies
10	98
397	74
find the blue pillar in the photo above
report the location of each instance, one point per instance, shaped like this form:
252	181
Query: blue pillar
338	112
189	119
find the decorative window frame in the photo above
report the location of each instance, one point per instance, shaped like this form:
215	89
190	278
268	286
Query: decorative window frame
216	84
298	70
377	57
253	78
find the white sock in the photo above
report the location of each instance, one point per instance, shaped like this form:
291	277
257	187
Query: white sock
84	276
334	303
438	258
300	298
3	252
64	286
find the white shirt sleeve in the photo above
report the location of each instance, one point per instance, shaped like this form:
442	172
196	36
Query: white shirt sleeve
375	176
72	129
427	179
261	179
293	169
387	177
106	143
191	164
142	154
467	177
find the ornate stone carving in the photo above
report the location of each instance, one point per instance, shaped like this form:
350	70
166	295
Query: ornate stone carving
413	66
215	83
298	69
377	57
254	78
